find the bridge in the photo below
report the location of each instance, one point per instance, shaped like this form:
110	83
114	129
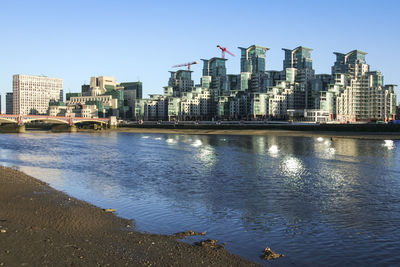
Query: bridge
16	122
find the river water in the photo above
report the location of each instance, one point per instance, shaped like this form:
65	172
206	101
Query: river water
316	200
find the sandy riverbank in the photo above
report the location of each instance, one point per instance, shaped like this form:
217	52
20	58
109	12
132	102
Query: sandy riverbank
336	134
40	226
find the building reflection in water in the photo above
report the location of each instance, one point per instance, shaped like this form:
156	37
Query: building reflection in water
250	189
321	176
323	147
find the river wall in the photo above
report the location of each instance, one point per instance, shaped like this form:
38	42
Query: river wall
287	127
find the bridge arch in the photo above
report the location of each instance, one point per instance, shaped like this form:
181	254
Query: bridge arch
54	120
90	120
5	120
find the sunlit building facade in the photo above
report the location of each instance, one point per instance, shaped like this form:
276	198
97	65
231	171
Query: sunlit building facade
350	93
364	96
32	94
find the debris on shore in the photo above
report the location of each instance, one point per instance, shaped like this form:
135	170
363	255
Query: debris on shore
209	243
109	210
181	235
270	255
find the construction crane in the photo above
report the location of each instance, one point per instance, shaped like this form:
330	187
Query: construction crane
224	50
186	64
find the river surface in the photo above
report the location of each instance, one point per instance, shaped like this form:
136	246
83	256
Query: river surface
316	200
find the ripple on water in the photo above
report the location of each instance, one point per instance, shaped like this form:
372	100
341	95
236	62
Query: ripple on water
331	202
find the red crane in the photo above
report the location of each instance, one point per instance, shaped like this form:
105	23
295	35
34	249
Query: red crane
224	50
186	64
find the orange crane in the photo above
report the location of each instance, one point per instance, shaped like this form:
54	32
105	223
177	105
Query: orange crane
185	64
224	50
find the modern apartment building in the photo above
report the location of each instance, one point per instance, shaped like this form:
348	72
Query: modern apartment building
180	81
253	59
351	93
32	94
364	96
252	68
299	62
9	103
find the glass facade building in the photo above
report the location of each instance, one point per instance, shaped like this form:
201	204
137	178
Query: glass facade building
253	59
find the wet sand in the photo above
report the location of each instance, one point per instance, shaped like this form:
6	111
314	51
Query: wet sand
336	134
40	226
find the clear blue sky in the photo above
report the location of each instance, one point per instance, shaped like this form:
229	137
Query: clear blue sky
133	40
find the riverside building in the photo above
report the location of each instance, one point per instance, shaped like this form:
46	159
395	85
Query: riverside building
363	95
103	97
32	94
9	103
350	93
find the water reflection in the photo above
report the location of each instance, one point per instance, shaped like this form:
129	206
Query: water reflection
325	148
170	141
302	196
39	158
207	156
259	144
292	167
6	154
197	143
49	175
389	144
273	150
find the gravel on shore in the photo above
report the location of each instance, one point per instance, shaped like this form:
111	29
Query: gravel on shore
40	226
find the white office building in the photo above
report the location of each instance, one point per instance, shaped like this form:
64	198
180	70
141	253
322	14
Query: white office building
32	94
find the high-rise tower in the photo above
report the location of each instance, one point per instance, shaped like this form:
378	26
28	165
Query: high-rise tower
297	67
253	59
